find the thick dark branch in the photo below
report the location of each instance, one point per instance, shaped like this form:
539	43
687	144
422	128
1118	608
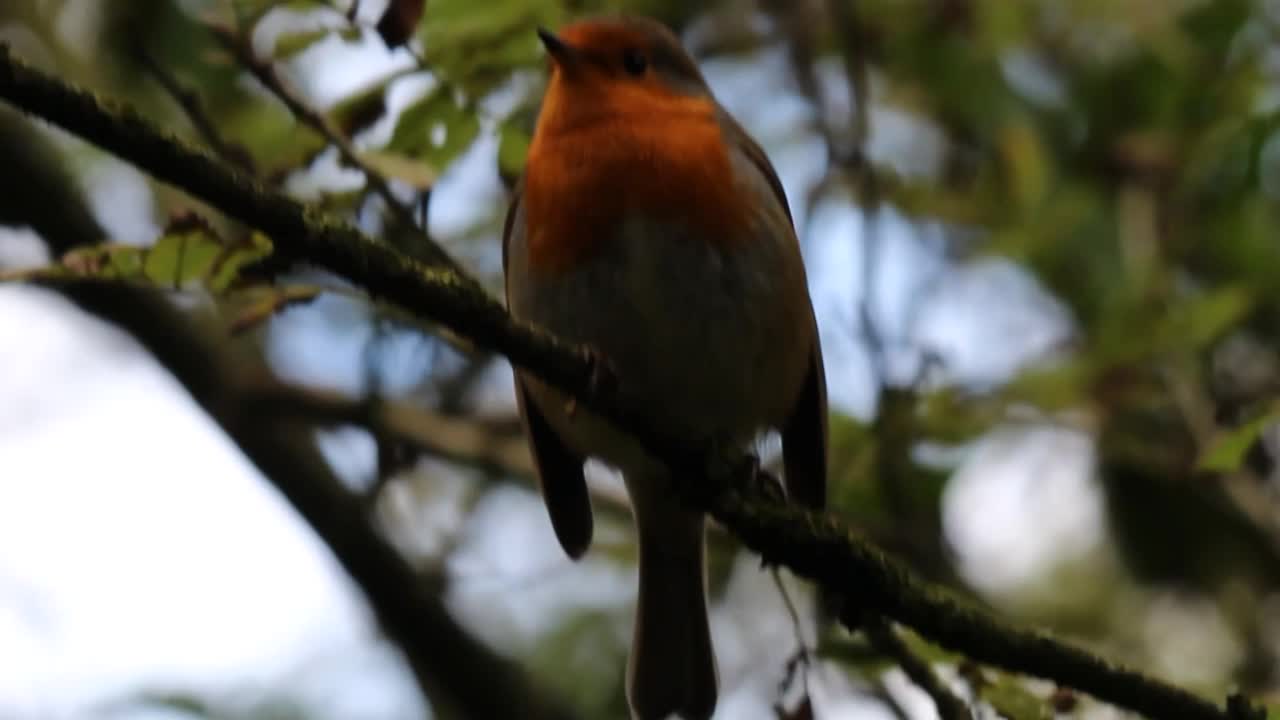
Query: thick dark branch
823	549
36	190
818	547
297	231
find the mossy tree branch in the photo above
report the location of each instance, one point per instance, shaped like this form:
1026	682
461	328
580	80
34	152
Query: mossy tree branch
818	547
456	672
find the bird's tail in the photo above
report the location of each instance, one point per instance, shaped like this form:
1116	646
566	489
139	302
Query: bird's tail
672	670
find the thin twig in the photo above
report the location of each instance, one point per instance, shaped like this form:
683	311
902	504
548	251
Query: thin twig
491	449
800	660
796	625
193	107
885	638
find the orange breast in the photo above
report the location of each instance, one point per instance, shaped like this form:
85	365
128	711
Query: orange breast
587	175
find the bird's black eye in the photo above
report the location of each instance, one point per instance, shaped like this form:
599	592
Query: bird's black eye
634	62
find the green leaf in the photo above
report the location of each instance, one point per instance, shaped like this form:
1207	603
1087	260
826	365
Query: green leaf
1204	318
513	146
1053	387
364	107
289	45
1014	701
255	305
435	129
162	263
227	271
1228	451
252	11
189	254
272	135
124	261
475	45
414	173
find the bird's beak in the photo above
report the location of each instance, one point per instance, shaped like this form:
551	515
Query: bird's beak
561	52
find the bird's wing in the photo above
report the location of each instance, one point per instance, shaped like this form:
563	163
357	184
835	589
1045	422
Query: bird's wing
559	469
508	223
804	435
564	487
737	137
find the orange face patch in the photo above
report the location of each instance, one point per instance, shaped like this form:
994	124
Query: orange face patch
606	151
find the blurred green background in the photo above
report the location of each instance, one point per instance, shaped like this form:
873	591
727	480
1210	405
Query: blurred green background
1041	243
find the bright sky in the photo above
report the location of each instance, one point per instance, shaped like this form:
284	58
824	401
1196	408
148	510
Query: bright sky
136	544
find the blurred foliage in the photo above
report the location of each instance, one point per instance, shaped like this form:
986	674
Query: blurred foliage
179	705
1125	153
580	657
189	254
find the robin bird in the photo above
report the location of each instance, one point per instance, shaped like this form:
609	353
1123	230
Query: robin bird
650	227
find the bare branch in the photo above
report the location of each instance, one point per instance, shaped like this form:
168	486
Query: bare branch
884	637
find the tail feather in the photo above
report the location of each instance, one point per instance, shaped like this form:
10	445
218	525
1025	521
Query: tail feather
672	668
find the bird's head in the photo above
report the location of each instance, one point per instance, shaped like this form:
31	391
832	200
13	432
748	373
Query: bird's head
616	69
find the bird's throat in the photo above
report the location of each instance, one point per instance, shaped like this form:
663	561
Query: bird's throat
588	175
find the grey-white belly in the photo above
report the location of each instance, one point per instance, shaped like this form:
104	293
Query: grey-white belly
714	342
